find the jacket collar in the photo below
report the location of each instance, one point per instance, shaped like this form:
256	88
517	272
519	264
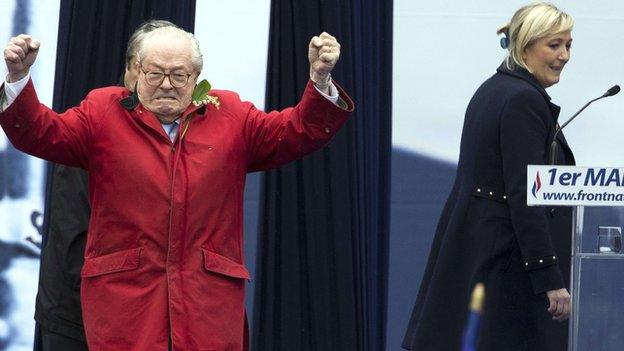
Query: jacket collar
130	102
148	119
522	73
525	75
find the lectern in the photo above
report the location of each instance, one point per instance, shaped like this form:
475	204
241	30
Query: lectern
597	281
597	285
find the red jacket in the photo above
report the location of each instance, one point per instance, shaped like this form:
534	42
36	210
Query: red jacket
164	250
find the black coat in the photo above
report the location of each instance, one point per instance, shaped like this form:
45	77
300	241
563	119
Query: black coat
67	218
487	233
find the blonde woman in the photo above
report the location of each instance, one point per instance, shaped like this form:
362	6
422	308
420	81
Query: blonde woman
486	232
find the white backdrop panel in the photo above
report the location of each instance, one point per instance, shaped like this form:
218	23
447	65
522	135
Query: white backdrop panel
21	273
443	50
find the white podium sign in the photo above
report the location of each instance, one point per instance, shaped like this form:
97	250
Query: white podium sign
574	186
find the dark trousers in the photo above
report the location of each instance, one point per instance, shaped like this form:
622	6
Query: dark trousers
47	340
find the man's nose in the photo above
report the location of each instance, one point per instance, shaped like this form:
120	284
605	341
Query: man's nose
166	83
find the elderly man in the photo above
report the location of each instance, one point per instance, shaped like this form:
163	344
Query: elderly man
57	309
164	256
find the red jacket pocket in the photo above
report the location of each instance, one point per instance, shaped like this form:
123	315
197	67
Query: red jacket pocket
216	263
119	261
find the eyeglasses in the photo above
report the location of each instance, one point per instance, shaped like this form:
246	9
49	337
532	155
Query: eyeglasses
155	78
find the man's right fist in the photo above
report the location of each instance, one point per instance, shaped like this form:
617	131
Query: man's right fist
19	55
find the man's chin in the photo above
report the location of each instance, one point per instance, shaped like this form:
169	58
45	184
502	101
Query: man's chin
166	112
166	109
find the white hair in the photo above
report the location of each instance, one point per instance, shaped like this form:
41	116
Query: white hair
138	36
197	60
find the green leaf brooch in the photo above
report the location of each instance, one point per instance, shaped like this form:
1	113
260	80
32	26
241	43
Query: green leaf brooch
201	97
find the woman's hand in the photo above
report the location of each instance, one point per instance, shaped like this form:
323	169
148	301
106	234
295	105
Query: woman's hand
559	304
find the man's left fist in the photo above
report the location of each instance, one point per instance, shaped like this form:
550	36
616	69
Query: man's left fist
323	53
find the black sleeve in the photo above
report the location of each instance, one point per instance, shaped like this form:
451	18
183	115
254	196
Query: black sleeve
523	139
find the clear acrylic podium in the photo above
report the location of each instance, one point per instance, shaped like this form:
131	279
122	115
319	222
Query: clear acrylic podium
597	286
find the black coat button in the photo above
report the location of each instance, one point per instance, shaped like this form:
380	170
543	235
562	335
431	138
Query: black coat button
552	212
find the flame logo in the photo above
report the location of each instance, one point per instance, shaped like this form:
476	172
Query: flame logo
537	185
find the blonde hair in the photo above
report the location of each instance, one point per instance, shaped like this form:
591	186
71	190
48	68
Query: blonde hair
529	24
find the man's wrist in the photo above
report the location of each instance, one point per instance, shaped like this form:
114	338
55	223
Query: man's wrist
12	89
321	82
12	78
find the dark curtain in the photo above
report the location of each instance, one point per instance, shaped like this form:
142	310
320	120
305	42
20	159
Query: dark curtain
323	245
91	49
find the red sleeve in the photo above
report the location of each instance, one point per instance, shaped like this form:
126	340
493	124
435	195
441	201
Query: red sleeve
39	131
279	137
